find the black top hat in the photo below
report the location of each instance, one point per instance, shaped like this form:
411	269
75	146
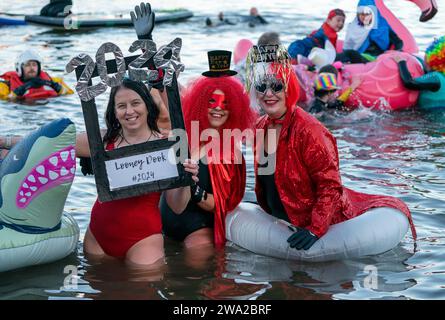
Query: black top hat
219	64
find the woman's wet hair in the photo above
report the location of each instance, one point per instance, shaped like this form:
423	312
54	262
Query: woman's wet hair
113	126
269	38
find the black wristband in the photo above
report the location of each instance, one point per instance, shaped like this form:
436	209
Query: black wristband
86	166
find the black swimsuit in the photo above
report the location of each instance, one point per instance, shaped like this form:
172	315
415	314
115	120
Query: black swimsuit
273	200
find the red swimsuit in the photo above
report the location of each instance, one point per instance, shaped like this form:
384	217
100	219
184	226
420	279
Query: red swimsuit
118	225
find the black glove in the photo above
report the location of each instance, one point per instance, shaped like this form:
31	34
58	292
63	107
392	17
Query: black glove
198	193
86	166
36	83
56	86
143	21
20	91
31	83
301	239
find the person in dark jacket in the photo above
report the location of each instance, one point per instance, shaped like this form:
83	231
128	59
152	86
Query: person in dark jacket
57	8
368	35
328	32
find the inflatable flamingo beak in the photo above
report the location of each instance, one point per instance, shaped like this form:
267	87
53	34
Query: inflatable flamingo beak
429	9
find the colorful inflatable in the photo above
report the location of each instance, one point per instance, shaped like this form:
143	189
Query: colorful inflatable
35	178
374	232
382	87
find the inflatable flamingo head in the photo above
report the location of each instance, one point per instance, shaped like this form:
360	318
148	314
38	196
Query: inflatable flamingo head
435	55
429	9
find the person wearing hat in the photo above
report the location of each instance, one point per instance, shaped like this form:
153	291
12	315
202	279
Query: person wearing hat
29	81
214	105
297	172
324	38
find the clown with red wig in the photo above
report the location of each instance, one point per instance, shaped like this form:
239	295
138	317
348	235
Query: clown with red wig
296	158
216	109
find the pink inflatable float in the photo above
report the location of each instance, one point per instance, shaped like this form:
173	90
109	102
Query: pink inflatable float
381	86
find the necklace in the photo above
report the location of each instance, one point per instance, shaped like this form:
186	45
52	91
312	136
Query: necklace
130	144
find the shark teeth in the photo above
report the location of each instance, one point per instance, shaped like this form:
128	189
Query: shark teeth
54	161
43	180
41	170
64	155
59	168
53	175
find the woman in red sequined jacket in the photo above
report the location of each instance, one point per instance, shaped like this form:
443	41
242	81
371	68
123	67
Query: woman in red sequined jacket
297	165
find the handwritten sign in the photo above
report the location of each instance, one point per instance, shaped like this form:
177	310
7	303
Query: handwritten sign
141	168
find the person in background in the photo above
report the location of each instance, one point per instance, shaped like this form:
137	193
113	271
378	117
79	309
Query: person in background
255	18
57	8
220	21
326	91
29	81
432	84
368	35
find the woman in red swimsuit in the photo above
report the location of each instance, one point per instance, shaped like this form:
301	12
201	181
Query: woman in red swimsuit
131	228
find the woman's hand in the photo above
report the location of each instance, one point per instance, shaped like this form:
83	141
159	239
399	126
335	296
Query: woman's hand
301	238
192	167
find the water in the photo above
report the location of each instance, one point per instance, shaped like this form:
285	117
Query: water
401	154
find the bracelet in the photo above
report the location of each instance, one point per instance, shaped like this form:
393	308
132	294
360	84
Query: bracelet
197	193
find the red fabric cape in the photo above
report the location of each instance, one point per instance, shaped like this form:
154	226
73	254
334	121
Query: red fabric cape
228	183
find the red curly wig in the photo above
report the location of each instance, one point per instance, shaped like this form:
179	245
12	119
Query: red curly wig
195	103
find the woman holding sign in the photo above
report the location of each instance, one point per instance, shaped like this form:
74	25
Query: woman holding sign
216	108
128	228
131	228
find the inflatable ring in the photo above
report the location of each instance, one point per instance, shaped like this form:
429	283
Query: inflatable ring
35	178
374	232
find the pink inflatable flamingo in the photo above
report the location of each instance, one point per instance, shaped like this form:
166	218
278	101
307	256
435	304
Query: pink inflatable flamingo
382	87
